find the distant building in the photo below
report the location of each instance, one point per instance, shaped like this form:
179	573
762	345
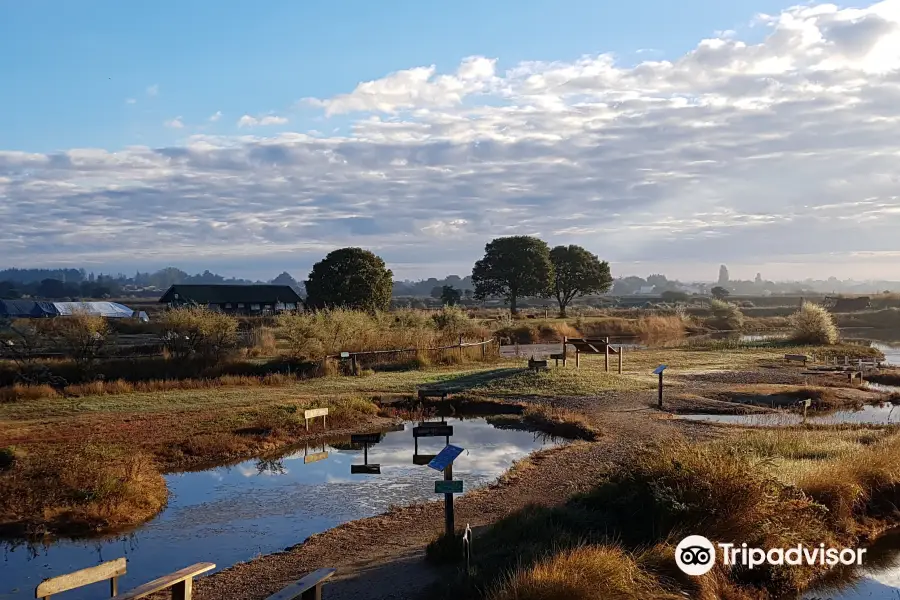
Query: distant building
645	290
36	309
234	299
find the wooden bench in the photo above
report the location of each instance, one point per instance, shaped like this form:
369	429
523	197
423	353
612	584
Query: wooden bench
180	582
425	394
110	570
796	358
308	588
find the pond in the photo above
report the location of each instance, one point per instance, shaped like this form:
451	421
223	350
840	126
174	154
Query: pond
887	414
879	577
231	514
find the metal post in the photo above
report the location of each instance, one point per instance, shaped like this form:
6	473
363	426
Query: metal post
114	587
660	389
449	525
365	454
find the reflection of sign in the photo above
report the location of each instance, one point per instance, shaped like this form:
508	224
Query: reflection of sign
423	459
445	458
659	369
345	355
448	487
807	403
365	438
444	431
315	412
365	469
433	424
310	458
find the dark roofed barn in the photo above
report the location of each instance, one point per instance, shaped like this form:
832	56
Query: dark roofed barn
235	299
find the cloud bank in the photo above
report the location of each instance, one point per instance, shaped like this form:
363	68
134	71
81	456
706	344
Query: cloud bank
782	151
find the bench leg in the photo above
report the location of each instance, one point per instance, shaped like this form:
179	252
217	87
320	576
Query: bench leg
182	590
314	593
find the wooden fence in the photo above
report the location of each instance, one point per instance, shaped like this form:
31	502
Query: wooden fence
458	352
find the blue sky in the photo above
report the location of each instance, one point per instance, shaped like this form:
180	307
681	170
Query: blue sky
662	136
69	67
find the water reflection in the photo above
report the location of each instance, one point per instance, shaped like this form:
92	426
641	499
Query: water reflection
229	514
884	414
878	578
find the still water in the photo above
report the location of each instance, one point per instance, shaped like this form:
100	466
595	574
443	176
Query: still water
887	414
231	514
878	578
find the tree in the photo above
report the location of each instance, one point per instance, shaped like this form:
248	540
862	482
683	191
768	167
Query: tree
286	279
719	293
51	288
350	278
657	280
628	285
450	296
80	336
513	267
674	296
577	272
436	291
723	275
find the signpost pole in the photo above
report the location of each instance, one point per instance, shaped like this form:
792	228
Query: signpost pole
660	388
449	525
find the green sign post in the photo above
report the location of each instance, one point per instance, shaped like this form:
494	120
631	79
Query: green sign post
448	487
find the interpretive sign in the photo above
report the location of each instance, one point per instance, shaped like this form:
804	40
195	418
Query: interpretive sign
445	458
448	487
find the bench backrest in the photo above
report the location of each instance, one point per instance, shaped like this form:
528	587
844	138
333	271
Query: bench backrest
181	581
310	587
55	585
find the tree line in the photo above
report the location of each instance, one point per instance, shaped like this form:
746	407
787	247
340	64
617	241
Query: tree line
512	268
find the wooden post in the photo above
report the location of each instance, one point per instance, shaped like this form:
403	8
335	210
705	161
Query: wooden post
517	348
483	349
577	355
353	364
460	347
621	351
846	360
449	525
182	590
607	355
565	341
114	587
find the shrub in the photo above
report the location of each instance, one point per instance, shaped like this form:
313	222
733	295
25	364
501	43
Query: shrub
79	336
726	316
198	331
813	324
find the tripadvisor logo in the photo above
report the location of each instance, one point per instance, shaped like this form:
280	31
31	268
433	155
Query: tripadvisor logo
696	555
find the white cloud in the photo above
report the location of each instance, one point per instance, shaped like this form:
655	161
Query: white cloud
175	123
216	116
130	101
250	121
153	90
777	152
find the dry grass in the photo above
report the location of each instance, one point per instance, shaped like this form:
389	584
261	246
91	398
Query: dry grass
79	488
584	573
649	327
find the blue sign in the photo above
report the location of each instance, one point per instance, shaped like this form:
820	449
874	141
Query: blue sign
659	369
445	458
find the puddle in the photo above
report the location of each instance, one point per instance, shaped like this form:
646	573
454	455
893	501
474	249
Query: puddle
886	414
231	514
879	577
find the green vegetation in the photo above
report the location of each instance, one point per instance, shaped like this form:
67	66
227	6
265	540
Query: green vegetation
513	267
813	324
197	332
350	278
577	272
726	316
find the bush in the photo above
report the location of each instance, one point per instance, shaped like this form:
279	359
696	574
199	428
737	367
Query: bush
187	332
79	336
725	316
813	324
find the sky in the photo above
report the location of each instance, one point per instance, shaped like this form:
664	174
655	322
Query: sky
251	139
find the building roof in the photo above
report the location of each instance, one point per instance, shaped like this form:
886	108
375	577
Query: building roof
231	294
26	309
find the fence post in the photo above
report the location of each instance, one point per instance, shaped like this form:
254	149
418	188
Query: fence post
607	355
460	347
483	348
621	351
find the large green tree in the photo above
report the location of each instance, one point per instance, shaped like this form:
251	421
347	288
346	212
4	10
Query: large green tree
350	278
577	272
512	268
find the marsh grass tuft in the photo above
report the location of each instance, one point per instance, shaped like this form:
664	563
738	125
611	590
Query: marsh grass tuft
813	324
